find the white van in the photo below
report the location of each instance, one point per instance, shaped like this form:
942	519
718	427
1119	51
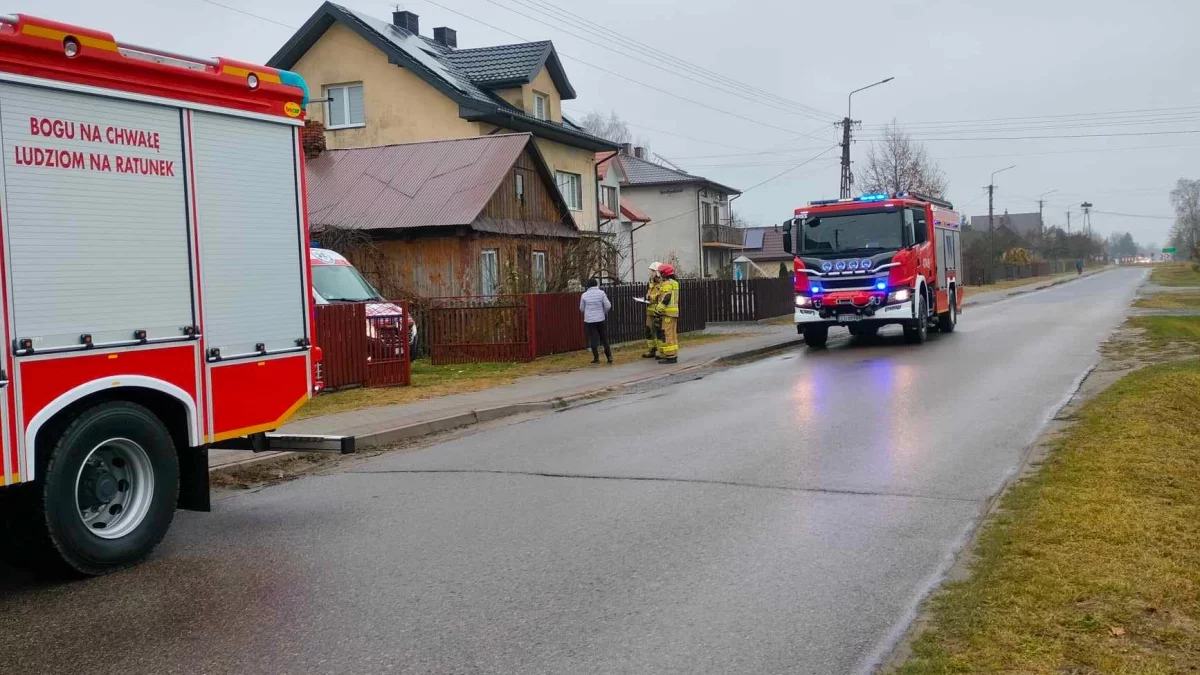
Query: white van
335	280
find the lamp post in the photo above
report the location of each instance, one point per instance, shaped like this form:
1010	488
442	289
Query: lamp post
991	188
847	123
1042	203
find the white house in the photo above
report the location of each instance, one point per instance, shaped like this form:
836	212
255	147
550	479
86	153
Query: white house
689	218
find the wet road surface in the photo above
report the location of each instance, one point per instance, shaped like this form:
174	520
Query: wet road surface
783	516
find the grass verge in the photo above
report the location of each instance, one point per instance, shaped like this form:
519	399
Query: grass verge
430	381
1175	274
1161	330
1092	564
1016	283
1170	300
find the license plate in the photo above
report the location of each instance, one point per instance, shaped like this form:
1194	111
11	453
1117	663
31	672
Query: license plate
848	318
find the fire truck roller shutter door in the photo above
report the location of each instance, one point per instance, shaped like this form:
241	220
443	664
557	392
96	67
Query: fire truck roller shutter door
95	217
250	234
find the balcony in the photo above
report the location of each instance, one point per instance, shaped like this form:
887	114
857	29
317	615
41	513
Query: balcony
721	236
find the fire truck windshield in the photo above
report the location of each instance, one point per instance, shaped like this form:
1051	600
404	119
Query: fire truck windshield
847	232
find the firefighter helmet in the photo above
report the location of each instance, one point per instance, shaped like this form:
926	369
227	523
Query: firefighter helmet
666	269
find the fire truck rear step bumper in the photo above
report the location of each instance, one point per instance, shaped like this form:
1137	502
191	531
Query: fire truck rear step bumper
289	443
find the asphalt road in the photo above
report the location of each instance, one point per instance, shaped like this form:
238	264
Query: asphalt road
783	516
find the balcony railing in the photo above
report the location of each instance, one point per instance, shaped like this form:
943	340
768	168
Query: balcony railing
721	236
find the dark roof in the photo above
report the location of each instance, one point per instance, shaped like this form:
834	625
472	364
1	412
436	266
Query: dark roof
511	65
764	244
428	184
1023	224
439	66
641	172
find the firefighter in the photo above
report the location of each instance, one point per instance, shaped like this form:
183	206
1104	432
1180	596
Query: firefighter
667	310
652	320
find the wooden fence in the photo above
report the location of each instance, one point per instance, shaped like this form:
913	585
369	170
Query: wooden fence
360	350
522	327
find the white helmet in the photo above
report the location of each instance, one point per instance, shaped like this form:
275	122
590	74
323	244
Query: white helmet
654	266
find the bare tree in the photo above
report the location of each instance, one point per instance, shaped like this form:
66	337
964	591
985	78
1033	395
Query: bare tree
611	128
1185	233
899	164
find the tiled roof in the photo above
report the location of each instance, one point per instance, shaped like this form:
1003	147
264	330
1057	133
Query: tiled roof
488	66
454	75
643	172
415	185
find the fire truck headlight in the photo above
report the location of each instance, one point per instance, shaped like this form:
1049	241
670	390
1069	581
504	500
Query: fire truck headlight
901	295
802	301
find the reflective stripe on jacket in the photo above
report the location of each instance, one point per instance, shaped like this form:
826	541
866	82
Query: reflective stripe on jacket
668	301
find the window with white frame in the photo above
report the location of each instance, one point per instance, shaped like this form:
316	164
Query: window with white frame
571	187
345	106
539	271
489	272
541	106
608	195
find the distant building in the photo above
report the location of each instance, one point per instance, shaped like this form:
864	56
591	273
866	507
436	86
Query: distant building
763	246
1023	225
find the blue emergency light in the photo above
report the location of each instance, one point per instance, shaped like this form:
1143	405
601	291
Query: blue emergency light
814	289
874	197
881	285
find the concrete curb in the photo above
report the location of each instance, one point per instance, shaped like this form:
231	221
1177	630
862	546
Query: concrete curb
1023	291
465	419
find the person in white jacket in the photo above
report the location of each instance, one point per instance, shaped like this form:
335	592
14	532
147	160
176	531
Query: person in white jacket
594	304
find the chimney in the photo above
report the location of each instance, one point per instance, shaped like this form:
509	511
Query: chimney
627	148
406	20
446	36
639	152
312	137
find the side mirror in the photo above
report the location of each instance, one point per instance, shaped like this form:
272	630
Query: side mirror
787	236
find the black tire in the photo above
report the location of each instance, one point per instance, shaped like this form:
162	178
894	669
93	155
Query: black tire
816	336
62	538
949	319
917	330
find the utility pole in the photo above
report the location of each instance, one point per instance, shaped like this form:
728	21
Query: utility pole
847	124
1068	222
1087	217
1042	203
991	188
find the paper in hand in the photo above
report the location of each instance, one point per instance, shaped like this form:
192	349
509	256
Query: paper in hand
641	300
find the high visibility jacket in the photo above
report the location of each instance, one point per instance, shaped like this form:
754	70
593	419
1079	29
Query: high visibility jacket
668	300
653	292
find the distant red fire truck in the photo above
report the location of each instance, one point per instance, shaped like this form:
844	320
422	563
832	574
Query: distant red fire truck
875	260
154	280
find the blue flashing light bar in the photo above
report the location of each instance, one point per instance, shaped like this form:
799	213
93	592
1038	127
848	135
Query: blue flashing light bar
822	202
874	197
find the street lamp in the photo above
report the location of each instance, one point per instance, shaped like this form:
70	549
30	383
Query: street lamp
991	188
847	177
1041	203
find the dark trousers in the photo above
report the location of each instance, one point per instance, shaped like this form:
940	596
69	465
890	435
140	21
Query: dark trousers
597	336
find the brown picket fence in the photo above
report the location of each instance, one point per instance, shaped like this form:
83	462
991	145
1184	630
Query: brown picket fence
359	350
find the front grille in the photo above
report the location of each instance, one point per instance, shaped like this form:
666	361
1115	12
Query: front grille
841	283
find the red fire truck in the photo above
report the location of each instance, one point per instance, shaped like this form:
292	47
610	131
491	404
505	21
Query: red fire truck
154	280
874	260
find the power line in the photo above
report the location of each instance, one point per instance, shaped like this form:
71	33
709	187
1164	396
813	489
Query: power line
251	14
1067	152
1023	138
614	74
720	83
943	123
1134	215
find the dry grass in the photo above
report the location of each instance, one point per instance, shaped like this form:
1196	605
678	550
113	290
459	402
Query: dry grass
1092	564
1170	300
1017	283
430	381
1175	274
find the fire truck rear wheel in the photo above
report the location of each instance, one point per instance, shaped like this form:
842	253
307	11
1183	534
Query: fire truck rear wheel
816	336
109	489
949	319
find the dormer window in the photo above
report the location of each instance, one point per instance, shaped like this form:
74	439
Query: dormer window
541	106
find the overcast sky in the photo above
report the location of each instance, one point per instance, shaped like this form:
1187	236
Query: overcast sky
963	69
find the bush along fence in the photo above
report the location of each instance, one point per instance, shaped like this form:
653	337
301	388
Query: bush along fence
982	276
510	328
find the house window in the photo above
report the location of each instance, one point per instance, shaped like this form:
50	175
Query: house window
571	187
489	277
345	106
608	195
541	106
539	271
520	187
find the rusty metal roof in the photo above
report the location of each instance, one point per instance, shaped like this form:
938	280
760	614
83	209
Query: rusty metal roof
413	185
